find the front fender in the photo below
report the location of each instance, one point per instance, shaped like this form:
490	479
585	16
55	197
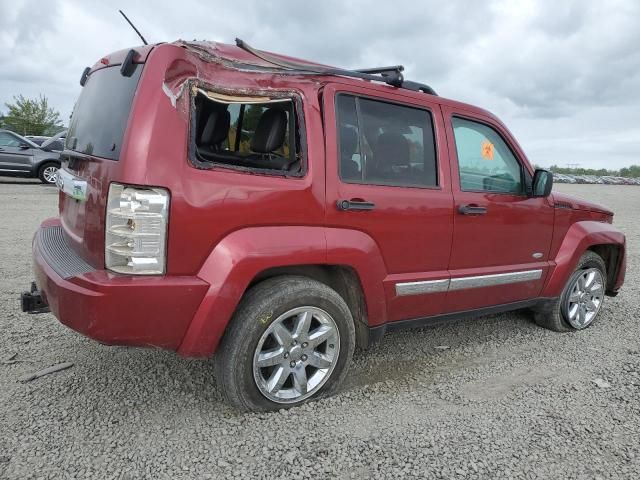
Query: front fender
579	238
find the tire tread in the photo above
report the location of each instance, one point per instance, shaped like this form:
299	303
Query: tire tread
262	297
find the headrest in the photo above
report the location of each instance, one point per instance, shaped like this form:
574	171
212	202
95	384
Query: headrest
269	134
216	128
391	149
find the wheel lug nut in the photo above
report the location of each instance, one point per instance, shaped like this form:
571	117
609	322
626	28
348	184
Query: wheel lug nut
292	364
304	344
303	358
286	354
294	342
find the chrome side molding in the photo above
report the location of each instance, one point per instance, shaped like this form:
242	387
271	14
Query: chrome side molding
462	283
495	279
417	288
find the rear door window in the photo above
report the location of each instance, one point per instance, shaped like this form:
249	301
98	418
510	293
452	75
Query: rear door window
101	113
384	143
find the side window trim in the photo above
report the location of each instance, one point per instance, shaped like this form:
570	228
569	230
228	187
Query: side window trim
358	96
525	178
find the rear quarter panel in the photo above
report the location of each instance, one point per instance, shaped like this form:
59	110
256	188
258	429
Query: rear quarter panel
209	204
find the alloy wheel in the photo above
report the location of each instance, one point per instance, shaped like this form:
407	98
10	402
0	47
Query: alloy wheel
50	174
585	297
296	354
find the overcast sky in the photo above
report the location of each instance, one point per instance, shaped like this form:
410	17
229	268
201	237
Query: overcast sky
563	75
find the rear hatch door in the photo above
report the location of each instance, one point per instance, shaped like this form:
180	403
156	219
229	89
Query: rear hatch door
91	159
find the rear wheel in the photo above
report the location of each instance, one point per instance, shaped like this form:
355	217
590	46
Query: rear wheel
581	300
48	173
291	340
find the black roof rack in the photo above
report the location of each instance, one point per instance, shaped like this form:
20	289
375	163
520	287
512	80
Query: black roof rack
395	68
389	75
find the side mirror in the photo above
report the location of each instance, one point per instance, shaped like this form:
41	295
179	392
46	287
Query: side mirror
24	146
542	183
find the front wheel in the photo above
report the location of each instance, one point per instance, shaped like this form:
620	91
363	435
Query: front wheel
48	173
291	340
581	300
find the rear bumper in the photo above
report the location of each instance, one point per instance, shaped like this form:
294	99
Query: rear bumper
111	308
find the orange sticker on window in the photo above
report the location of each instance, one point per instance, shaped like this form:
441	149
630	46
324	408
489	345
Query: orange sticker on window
487	150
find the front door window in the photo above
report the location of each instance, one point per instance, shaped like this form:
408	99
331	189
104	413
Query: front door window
485	162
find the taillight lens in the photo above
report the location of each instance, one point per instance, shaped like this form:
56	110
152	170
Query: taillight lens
136	230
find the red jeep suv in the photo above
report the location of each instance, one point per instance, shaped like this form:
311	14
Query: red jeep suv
217	199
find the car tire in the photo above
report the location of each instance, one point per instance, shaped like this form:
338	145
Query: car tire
564	313
47	173
269	327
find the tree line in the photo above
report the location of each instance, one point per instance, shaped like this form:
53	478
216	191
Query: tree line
27	116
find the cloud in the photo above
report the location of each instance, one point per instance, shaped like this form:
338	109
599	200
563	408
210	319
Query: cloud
562	75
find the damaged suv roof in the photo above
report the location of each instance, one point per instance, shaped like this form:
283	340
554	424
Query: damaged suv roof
233	57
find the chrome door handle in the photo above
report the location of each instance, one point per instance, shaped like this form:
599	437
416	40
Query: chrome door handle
472	210
354	205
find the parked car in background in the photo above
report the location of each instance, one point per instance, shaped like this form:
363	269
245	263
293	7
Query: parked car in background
37	139
55	143
570	179
20	157
562	178
595	179
559	178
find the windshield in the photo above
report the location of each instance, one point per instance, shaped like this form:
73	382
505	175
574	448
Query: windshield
101	113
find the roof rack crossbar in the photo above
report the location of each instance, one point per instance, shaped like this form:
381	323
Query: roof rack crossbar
390	77
394	68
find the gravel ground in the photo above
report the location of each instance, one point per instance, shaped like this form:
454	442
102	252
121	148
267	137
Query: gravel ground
507	399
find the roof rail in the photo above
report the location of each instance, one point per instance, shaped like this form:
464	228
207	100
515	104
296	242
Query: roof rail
389	75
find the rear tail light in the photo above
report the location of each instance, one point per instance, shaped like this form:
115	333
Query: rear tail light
136	230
